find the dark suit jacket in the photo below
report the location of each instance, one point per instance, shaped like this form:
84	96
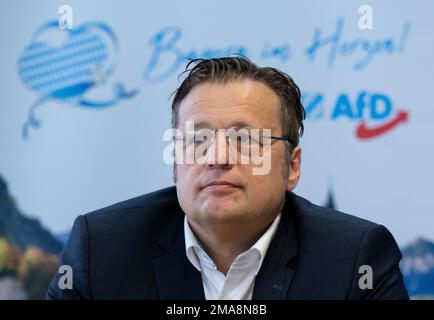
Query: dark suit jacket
135	250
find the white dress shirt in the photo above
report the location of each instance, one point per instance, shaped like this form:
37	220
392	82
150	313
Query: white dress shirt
240	279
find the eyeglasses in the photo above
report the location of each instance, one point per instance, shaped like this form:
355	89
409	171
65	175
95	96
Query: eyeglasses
245	139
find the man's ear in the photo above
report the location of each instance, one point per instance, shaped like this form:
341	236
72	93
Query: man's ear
294	169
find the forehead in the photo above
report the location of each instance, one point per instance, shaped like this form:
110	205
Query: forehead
217	105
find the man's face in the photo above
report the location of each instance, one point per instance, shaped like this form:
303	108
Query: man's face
220	192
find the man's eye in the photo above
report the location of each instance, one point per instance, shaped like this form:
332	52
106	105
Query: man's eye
199	138
243	138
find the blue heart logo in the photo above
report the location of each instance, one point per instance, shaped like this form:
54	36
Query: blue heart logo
85	59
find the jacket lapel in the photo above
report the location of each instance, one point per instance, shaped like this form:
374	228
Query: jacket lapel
278	269
176	277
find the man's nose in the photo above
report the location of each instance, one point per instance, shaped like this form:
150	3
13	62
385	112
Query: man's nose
219	151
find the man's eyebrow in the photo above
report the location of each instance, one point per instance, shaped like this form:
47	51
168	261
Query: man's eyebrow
236	124
201	124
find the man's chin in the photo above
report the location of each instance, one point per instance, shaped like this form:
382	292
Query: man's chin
218	211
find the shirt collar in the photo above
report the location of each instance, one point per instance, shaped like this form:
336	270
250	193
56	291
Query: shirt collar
264	241
192	243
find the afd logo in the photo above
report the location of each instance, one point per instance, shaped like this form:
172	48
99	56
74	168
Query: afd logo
377	109
70	72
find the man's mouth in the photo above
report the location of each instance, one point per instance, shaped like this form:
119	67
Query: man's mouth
221	185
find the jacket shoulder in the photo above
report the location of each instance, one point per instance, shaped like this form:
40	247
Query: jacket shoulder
321	219
156	203
333	246
138	219
329	234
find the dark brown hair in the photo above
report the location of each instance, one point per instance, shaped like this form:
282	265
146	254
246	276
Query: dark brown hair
223	70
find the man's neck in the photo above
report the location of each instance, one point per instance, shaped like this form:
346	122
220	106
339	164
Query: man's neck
224	243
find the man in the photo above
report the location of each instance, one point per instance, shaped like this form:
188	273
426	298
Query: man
224	231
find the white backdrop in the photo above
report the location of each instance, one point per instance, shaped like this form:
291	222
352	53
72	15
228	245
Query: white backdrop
82	158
